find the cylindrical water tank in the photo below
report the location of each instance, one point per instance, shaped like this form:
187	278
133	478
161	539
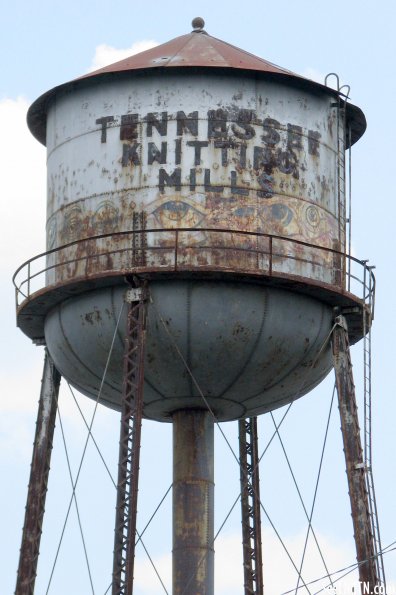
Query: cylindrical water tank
215	175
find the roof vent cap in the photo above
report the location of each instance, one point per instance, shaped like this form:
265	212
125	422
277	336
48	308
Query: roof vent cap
198	25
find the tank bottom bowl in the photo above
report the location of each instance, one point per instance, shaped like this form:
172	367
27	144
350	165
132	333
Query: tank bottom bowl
249	349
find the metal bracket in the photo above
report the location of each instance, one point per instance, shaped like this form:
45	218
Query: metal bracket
135	294
355	310
341	321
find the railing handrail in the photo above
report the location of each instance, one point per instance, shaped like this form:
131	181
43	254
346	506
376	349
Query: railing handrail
368	274
186	229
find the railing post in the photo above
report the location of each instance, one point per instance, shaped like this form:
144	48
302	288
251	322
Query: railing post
371	289
270	256
257	252
28	287
176	247
87	256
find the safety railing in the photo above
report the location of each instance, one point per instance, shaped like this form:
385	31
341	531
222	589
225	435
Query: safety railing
194	249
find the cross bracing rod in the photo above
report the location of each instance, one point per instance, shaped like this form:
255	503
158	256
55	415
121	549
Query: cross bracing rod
38	482
355	467
250	502
130	436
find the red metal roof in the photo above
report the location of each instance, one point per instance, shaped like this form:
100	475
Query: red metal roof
194	49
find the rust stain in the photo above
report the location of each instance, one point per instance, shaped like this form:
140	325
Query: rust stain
93	317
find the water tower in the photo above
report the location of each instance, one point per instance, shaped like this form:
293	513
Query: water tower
197	265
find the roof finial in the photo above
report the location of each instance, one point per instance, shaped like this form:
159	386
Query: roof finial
198	24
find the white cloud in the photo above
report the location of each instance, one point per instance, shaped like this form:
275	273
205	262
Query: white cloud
279	574
22	201
22	186
146	581
106	54
15	437
23	205
22	389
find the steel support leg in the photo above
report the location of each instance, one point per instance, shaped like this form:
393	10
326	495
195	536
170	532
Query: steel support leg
38	482
129	452
193	503
250	501
355	468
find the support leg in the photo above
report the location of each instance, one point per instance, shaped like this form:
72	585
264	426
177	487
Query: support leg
355	469
129	453
38	482
193	503
250	502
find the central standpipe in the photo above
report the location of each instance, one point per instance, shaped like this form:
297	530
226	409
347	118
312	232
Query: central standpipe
193	503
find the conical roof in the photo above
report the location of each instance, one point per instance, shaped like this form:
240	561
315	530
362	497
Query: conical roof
194	50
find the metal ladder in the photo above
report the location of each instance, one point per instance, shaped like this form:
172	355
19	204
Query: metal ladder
345	236
367	313
341	183
344	221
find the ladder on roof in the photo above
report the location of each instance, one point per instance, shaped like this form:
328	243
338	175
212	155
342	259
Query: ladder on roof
341	181
343	198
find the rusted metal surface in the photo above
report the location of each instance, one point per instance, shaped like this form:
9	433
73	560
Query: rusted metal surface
257	255
261	164
355	467
236	251
139	240
250	503
245	191
266	357
193	503
130	437
194	49
191	51
37	489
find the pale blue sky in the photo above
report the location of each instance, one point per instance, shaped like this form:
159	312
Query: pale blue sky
45	43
